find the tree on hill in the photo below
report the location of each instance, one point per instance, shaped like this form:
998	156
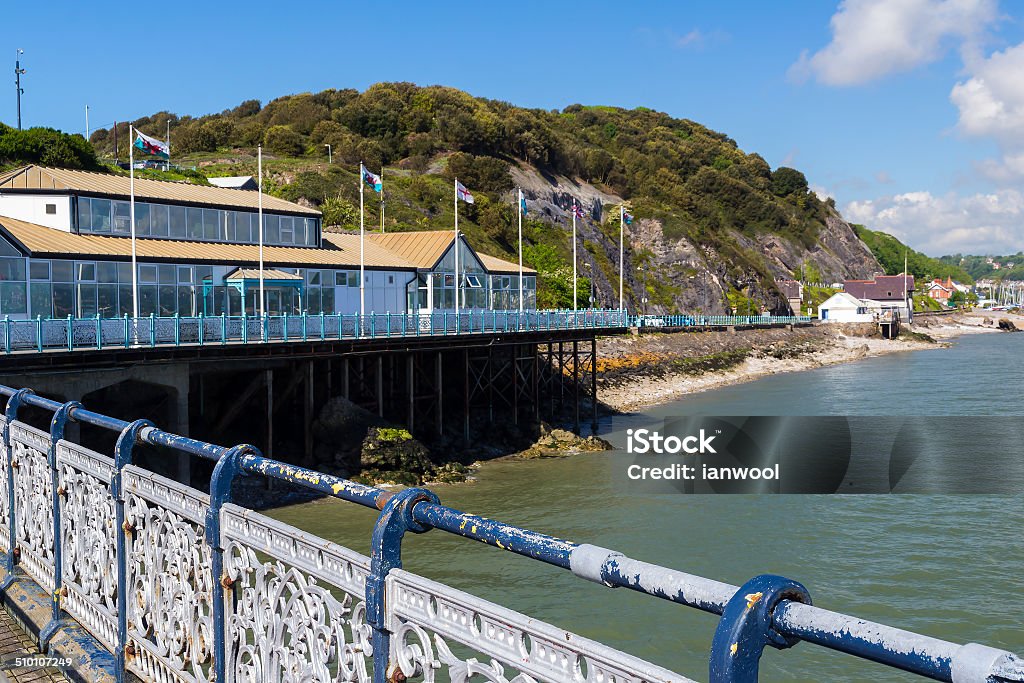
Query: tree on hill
890	253
45	146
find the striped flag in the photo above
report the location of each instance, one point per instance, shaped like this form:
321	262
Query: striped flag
462	193
577	209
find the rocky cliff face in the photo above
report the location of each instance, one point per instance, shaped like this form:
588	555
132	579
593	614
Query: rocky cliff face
677	274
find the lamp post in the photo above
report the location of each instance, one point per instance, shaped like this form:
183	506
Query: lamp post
590	274
330	157
18	71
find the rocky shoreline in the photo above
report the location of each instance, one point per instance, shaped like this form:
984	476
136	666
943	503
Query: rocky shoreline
646	370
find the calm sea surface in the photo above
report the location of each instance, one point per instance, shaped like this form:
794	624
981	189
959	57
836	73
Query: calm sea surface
948	566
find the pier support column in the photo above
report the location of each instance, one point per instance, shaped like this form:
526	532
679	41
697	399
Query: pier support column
593	385
268	381
308	405
576	386
465	423
515	384
410	381
490	385
380	386
344	378
439	380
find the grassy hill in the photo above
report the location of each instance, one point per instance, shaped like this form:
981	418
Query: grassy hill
890	253
980	267
706	211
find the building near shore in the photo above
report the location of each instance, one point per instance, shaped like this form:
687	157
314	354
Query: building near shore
793	290
885	293
842	307
66	250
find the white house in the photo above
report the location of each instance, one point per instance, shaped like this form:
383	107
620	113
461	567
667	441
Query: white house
844	308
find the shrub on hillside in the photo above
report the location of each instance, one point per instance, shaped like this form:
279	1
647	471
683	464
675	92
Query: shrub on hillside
45	146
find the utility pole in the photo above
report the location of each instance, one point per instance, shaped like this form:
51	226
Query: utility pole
18	71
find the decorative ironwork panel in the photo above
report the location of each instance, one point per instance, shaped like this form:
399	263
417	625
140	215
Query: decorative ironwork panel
88	543
170	612
424	616
33	502
298	612
5	512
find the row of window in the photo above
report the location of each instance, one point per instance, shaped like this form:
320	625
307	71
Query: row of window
113	217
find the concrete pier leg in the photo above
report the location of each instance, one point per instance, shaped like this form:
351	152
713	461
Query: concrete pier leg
515	384
490	385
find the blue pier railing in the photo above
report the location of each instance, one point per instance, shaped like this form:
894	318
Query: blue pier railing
177	584
683	320
70	334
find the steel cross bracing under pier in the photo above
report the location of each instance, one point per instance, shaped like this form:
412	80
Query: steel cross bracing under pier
151	577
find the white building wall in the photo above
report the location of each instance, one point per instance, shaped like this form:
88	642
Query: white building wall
32	209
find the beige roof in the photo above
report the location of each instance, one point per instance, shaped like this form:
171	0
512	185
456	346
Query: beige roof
423	248
108	185
493	264
254	274
340	251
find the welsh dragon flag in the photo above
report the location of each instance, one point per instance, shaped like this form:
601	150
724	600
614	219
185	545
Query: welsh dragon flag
152	146
371	179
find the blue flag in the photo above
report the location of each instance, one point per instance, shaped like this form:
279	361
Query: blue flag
522	204
628	218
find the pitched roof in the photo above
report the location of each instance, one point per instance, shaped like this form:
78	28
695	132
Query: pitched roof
423	248
234	182
882	288
339	251
841	298
254	274
493	264
41	178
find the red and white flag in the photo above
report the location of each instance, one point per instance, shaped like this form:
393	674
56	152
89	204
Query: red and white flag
462	193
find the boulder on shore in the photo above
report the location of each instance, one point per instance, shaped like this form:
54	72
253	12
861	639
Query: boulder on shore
1006	325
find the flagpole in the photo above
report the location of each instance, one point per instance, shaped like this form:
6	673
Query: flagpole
259	172
168	145
574	306
520	250
457	302
382	199
362	264
135	266
622	228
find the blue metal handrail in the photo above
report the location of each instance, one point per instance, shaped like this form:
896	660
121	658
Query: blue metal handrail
766	611
71	333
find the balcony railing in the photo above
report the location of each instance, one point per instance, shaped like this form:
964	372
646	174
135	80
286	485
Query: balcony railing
178	584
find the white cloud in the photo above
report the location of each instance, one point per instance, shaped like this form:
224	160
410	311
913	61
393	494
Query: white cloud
977	224
874	38
991	104
692	39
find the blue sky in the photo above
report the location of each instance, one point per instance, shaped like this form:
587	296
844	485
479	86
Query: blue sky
908	112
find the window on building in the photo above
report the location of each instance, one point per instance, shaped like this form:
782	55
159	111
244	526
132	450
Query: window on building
122	218
42	302
142	220
39	270
51	209
106	272
100	215
194	221
147	274
176	222
158	220
85	272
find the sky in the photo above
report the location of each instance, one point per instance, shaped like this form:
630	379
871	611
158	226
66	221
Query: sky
910	113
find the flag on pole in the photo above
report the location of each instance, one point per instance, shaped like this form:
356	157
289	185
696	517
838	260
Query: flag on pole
152	146
371	179
627	218
577	209
522	203
462	193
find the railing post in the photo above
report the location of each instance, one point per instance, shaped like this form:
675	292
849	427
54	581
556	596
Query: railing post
57	424
7	334
386	554
177	330
746	628
11	413
127	340
223	328
152	329
387	320
39	333
373	325
323	326
245	328
284	335
224	472
305	329
123	449
202	328
266	327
